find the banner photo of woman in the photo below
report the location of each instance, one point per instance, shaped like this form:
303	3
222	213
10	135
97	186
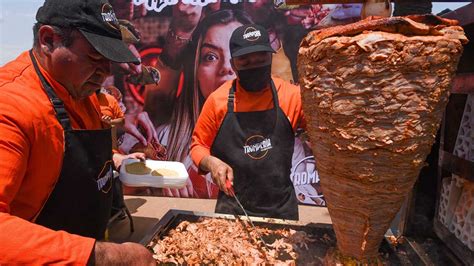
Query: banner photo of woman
184	45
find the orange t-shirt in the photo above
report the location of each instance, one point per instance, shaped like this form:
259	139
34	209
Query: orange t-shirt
109	106
31	152
215	109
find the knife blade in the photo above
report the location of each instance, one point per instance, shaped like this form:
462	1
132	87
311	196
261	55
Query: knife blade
232	192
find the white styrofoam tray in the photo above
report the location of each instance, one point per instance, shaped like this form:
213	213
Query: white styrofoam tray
149	180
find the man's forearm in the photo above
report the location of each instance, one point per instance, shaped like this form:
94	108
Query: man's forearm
25	243
207	162
99	253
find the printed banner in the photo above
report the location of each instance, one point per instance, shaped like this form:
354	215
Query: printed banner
187	41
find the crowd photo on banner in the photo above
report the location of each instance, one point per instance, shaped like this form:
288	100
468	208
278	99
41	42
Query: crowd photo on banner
185	46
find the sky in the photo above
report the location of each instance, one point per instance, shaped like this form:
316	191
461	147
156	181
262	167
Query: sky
18	16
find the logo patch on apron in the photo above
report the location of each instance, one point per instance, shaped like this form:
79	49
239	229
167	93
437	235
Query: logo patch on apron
257	147
104	180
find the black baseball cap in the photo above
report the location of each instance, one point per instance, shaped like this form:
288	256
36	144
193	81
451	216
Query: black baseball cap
95	19
248	39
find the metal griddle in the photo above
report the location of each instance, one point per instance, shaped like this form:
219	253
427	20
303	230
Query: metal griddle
323	233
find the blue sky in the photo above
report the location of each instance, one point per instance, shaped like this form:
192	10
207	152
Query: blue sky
18	16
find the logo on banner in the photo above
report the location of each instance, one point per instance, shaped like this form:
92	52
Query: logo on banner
257	147
304	172
108	16
251	34
305	179
104	180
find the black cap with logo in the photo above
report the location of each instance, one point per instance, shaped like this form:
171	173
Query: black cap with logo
95	19
248	39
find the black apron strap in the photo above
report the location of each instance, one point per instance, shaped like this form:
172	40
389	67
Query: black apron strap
58	105
231	98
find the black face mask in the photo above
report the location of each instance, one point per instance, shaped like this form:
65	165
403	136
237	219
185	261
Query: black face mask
255	79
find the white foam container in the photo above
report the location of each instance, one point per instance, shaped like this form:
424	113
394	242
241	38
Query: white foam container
149	180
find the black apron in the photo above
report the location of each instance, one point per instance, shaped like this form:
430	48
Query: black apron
81	200
259	147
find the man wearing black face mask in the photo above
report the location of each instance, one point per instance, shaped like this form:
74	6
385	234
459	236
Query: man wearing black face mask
245	132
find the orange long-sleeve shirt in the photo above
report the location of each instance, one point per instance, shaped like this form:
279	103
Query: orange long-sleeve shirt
109	106
215	109
31	152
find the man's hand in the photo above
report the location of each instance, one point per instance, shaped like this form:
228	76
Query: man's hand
118	158
220	172
122	254
131	68
106	119
132	123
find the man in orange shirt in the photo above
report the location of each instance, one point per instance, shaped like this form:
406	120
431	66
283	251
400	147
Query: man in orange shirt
56	161
110	109
112	114
245	132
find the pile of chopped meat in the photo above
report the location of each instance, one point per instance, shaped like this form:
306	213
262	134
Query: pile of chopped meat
221	241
